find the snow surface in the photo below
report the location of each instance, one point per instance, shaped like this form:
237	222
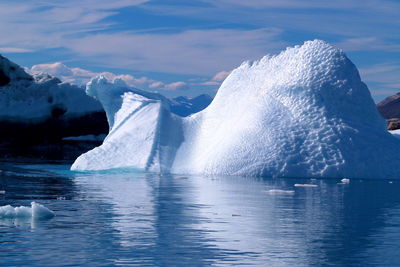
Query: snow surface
36	97
36	211
302	113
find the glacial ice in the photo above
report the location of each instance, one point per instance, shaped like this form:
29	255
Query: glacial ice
302	113
36	211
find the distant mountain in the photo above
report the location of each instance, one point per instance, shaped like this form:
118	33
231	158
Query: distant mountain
185	106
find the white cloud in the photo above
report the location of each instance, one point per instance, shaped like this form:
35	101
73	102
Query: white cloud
154	85
382	79
176	86
81	77
221	76
218	78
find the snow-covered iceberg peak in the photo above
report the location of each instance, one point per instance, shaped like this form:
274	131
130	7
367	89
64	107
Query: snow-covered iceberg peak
304	112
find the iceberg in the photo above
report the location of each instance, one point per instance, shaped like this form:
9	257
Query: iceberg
302	113
35	211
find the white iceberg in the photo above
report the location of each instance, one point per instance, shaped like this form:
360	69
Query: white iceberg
302	113
35	211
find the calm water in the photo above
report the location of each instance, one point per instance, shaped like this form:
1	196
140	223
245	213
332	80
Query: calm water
141	219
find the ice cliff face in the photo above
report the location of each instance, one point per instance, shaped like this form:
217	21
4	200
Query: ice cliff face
304	112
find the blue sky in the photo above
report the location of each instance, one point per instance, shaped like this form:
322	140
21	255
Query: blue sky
188	47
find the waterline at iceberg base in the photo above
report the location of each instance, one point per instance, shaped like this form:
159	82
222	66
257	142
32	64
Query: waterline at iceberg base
302	113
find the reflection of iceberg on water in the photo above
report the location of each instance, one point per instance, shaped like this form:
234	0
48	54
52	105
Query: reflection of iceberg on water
302	113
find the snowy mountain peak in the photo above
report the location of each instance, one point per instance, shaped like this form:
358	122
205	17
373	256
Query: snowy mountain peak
54	68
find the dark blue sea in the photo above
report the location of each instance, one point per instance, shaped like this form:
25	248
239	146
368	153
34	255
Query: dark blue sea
131	218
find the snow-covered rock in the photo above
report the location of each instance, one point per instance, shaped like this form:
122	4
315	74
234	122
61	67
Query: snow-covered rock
302	113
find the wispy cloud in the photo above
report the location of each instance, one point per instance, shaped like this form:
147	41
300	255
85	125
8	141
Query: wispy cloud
388	74
14	50
335	20
383	79
36	25
217	79
176	86
385	5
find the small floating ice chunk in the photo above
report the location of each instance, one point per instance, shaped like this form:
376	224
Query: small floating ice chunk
36	211
345	180
40	211
2	192
279	191
305	185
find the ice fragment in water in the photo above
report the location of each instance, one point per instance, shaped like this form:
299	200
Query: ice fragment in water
36	211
